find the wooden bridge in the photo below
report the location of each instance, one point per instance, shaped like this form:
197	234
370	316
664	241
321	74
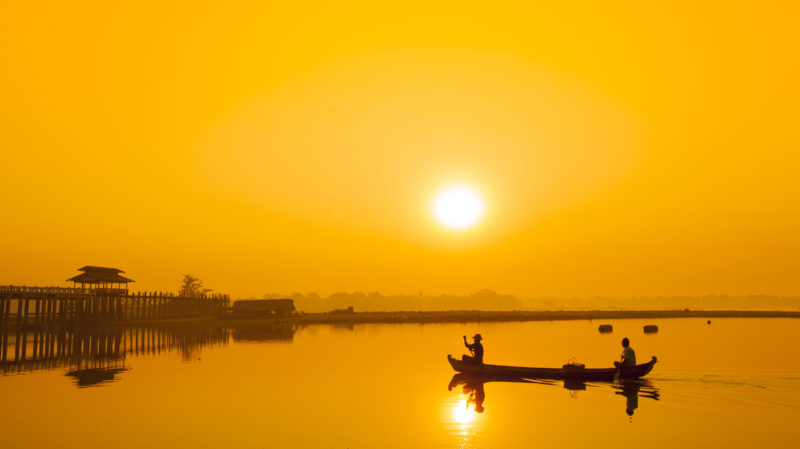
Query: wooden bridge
36	306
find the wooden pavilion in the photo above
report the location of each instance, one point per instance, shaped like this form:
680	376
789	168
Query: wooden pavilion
101	278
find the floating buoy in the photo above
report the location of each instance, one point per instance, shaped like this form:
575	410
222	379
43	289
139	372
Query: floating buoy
605	328
650	329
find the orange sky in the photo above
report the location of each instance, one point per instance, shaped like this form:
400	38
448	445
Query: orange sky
636	149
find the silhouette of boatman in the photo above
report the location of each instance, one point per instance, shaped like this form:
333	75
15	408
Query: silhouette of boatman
628	357
475	348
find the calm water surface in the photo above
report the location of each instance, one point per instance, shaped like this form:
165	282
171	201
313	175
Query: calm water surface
734	383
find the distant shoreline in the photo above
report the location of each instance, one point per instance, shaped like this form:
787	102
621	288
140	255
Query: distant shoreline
475	316
453	316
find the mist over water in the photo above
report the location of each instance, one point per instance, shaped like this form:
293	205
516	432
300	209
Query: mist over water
733	383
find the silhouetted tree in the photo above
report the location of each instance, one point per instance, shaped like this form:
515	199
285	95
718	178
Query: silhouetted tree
192	287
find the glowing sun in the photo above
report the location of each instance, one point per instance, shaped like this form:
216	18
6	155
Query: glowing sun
458	207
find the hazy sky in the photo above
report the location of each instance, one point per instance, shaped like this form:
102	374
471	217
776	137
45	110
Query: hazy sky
627	149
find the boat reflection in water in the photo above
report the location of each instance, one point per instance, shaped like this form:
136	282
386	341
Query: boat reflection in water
95	376
632	390
473	386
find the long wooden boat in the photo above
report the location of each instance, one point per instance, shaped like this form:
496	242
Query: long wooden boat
566	373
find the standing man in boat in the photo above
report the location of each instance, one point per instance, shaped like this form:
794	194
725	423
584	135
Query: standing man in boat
475	348
628	357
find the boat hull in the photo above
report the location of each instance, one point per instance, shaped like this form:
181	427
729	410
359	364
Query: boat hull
595	374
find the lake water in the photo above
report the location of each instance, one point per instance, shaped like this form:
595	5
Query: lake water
734	383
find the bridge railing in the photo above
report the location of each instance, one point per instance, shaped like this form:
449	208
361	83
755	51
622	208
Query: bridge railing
17	289
39	305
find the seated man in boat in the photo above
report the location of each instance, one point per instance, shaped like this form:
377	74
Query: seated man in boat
475	348
628	357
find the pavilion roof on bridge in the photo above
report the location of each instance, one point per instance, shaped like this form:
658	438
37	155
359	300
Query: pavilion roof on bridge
97	275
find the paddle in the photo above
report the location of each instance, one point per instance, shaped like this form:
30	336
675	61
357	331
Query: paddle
618	373
623	358
471	351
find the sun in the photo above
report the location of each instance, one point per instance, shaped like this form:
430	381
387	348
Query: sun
458	207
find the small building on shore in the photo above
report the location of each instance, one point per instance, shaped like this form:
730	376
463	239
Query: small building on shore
262	308
101	278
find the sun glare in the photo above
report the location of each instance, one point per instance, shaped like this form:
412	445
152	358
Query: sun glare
462	414
458	207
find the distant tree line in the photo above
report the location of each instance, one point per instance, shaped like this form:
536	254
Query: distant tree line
705	302
377	302
491	300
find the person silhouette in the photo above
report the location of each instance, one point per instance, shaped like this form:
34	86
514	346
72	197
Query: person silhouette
476	348
628	357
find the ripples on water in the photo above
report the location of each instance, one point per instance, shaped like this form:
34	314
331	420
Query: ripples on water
734	384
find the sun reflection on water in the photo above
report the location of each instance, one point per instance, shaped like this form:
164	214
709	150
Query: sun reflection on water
463	418
462	414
